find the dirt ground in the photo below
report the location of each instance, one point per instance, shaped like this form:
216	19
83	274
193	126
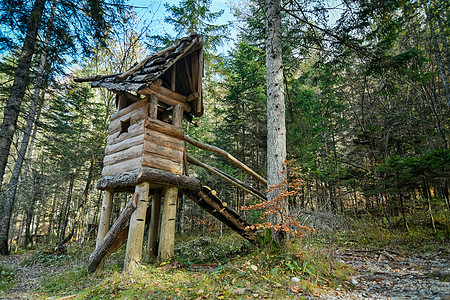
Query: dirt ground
27	278
382	274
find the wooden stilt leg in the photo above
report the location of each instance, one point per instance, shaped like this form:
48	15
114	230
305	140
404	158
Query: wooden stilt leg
136	232
105	219
153	234
166	241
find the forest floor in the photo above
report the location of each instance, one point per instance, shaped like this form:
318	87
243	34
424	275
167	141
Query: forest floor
343	265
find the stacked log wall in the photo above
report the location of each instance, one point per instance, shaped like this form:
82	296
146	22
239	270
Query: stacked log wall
123	152
163	147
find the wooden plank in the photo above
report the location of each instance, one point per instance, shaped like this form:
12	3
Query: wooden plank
164	140
153	148
129	109
165	128
133	130
125	166
161	163
134	116
173	77
195	71
122	103
198	103
166	99
135	240
127	154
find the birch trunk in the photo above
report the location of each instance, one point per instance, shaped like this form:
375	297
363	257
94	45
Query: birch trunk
276	128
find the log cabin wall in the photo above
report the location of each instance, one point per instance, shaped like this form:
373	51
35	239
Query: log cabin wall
137	139
124	146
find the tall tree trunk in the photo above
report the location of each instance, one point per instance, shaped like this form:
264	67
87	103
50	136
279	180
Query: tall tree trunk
65	213
276	127
10	118
12	109
29	209
51	218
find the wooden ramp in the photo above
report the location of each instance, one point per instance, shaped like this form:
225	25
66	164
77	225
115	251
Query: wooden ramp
208	200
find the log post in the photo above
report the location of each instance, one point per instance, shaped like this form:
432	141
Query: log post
136	232
153	232
167	239
105	220
153	107
177	116
106	247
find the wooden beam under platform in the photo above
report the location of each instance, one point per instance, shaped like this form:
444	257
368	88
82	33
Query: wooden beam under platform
125	180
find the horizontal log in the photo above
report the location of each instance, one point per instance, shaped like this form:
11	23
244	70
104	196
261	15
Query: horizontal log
192	97
127	154
125	166
94	78
129	109
153	148
120	180
125	144
164	177
229	178
133	116
168	93
226	155
165	99
165	128
134	130
164	140
147	174
162	163
100	251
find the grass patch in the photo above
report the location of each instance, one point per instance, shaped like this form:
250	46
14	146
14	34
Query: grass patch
302	269
6	278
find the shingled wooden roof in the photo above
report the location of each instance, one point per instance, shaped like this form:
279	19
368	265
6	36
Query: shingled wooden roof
181	63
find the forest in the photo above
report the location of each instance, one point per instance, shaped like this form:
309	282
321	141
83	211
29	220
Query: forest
366	109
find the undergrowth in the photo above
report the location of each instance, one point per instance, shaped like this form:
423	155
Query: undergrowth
6	278
376	234
210	268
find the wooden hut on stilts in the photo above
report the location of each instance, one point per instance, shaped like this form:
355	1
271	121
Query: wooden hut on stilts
145	155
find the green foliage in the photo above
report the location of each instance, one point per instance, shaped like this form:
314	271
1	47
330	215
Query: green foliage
6	278
239	274
46	258
209	250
